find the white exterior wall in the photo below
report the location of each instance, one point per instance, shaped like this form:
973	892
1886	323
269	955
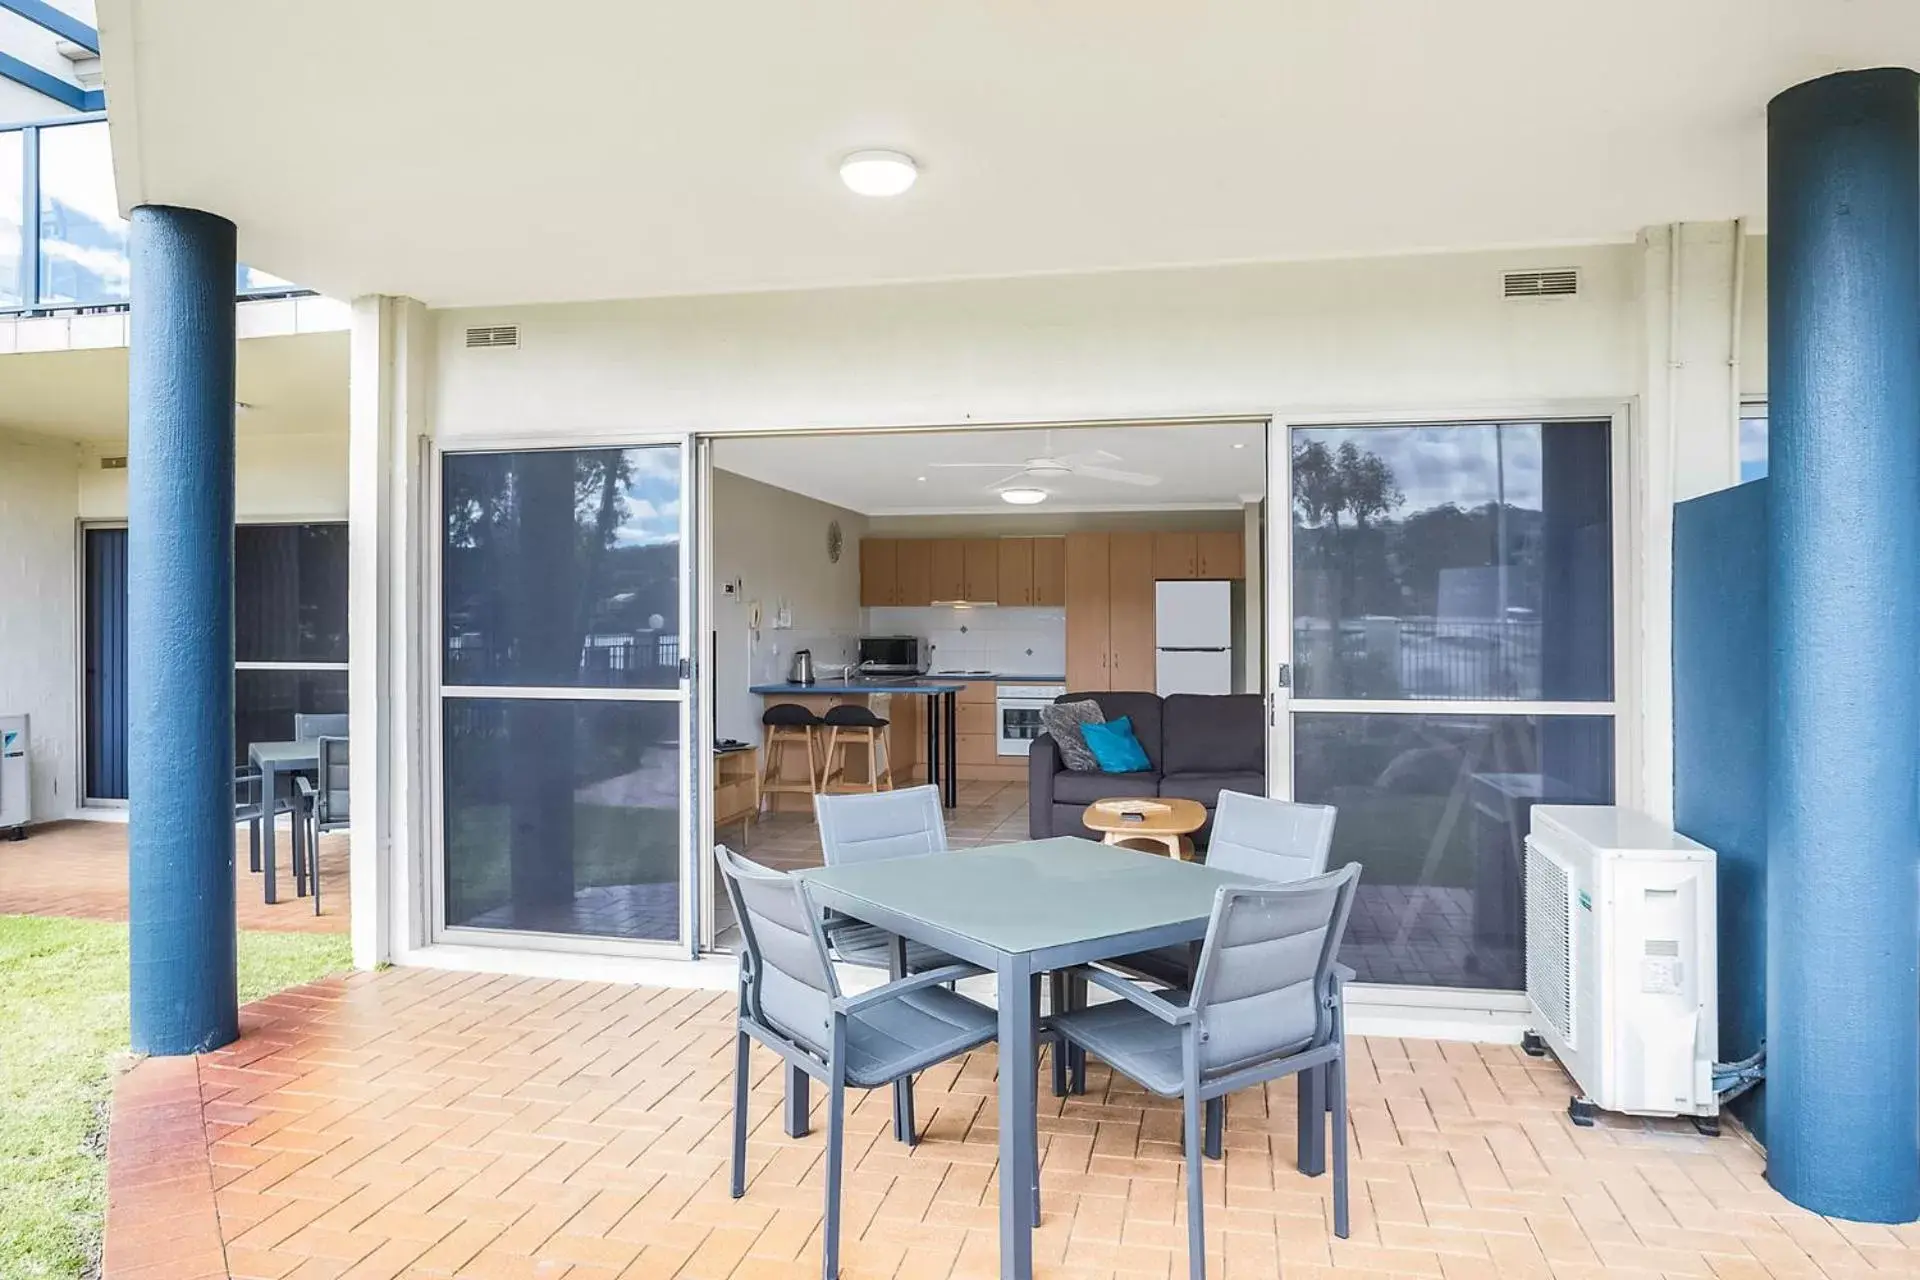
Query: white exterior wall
39	635
276	477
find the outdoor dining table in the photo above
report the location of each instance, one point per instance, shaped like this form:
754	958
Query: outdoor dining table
1018	911
273	759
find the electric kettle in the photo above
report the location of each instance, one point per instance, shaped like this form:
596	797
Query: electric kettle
802	672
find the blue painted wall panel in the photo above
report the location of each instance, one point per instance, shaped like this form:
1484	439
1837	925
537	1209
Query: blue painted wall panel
1720	700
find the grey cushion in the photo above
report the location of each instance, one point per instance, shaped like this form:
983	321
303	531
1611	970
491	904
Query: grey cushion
1206	787
1130	1040
1214	733
895	1037
1062	720
1085	788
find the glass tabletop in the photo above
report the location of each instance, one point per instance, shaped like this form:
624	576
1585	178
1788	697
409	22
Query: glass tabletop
1031	896
279	753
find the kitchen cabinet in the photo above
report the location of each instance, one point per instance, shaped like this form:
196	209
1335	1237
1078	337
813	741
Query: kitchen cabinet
1176	556
1085	593
1221	554
980	559
1016	571
1049	571
879	561
913	572
1130	611
947	569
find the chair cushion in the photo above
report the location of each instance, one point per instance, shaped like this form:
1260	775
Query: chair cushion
1084	788
890	1039
1130	1040
1214	733
870	947
1065	723
1206	787
789	713
1115	747
847	715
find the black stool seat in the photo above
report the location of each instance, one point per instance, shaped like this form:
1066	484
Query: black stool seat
848	716
789	714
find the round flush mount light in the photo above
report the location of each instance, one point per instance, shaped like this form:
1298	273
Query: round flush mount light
1023	497
878	173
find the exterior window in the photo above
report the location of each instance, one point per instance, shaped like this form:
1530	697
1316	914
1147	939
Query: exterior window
13	204
562	701
83	239
1453	666
289	628
1753	442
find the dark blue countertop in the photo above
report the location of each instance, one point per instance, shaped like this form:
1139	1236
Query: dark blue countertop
907	686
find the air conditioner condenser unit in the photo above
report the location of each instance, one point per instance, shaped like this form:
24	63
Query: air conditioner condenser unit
16	778
1622	979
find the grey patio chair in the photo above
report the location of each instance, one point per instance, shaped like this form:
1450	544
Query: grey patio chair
1266	1003
329	725
321	808
1278	841
250	807
791	1003
857	827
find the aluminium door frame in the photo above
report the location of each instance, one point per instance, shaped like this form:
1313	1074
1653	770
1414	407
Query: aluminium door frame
1622	708
435	932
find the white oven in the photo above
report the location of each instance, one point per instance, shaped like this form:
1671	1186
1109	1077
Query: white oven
1017	708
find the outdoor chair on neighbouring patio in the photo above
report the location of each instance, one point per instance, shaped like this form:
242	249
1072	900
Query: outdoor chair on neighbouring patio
790	1001
250	806
1266	1002
322	807
307	726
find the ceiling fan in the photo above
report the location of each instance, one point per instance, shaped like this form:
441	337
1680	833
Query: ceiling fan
1089	463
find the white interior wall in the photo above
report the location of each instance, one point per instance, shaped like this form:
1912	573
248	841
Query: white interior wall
38	605
774	543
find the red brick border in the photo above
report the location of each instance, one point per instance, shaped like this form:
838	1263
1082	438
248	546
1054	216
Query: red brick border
162	1223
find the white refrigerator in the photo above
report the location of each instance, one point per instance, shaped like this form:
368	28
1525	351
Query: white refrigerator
1193	637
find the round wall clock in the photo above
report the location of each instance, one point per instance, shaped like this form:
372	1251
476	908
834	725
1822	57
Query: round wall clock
834	541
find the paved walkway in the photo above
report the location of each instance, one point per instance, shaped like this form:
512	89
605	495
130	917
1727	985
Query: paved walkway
413	1123
80	869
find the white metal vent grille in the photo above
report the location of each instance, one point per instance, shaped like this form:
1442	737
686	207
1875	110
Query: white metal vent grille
1550	943
1561	283
493	335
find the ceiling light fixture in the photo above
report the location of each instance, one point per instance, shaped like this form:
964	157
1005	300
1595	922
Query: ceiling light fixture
1239	445
878	173
1023	497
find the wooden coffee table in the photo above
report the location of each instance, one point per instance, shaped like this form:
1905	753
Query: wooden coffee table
1168	831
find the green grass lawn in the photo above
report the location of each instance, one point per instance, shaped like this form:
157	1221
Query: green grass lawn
63	1018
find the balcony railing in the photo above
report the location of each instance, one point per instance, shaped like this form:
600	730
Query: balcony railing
63	243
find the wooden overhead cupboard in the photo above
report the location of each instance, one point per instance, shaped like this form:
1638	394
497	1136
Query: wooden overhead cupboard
1209	554
923	571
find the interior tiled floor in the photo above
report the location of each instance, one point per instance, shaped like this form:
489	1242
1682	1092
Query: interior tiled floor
431	1124
80	869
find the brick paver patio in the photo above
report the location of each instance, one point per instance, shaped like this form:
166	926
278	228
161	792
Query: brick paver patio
80	869
414	1123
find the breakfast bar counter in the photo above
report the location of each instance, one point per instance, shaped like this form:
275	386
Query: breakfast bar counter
942	745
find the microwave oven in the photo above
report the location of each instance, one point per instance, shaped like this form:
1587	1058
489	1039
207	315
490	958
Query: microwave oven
893	655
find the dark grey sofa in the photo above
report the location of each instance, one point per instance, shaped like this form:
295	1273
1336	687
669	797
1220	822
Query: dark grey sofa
1199	745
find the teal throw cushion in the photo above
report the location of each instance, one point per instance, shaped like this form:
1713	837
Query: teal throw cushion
1115	747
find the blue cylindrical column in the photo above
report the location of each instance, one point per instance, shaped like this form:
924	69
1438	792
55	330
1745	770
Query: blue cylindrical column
1843	823
180	631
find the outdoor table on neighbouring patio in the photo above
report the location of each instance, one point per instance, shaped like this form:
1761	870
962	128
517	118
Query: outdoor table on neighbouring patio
1020	910
273	759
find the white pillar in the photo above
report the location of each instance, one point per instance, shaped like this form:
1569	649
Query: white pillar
1685	442
389	368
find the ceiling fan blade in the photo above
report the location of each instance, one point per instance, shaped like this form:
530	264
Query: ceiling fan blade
1118	477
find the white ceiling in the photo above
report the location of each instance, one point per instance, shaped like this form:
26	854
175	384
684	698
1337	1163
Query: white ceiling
487	151
1200	465
294	385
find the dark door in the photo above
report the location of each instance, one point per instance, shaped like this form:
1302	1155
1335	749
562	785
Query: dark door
106	636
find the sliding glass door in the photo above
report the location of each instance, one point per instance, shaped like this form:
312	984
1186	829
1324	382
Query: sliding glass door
563	695
1449	623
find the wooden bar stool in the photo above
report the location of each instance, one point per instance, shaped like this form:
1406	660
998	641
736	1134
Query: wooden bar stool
788	724
851	728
